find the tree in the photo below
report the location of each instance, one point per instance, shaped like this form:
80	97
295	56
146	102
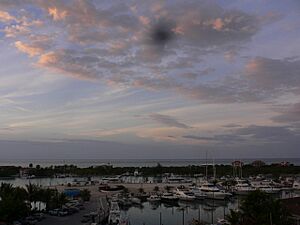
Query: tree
234	217
260	208
13	203
85	194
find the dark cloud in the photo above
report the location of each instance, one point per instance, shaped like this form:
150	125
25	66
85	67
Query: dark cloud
267	133
168	121
253	134
222	138
274	74
232	125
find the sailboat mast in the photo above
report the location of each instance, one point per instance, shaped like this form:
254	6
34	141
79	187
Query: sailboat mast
206	165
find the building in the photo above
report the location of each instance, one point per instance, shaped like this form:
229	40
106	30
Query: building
258	163
237	163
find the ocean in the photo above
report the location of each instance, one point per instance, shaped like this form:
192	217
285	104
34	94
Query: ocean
136	162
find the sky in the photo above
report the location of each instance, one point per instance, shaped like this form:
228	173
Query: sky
149	79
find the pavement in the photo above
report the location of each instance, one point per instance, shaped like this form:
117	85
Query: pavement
74	219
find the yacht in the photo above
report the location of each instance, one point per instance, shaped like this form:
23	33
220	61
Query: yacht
198	193
296	186
185	195
243	188
178	180
169	198
266	187
153	198
114	217
211	191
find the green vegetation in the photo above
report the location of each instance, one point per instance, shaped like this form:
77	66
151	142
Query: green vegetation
85	194
222	170
260	208
16	202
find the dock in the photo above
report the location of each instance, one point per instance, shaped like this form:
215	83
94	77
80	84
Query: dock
103	210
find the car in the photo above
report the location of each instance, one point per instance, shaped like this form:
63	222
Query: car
53	212
62	213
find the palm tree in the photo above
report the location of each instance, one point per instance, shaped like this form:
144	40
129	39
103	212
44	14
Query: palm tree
234	217
85	194
5	189
260	208
32	193
13	203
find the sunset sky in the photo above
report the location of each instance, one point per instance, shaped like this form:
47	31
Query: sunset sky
87	79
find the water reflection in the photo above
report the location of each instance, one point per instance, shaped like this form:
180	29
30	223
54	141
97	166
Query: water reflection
208	211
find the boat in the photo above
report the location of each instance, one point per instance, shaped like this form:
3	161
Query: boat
178	180
222	222
266	186
211	191
153	198
243	187
269	189
136	201
185	195
114	217
198	193
111	180
296	186
169	197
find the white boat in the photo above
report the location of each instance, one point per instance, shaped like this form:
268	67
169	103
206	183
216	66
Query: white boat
169	197
111	180
153	198
243	188
198	193
211	191
222	222
266	186
114	217
269	189
185	195
177	180
296	186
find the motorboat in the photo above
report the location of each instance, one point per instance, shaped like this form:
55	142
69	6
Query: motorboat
211	191
185	195
222	222
153	198
243	188
266	186
169	197
296	186
199	195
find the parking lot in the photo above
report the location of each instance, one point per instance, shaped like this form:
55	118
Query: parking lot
74	219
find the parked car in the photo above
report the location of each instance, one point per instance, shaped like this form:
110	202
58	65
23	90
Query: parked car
53	212
62	212
39	216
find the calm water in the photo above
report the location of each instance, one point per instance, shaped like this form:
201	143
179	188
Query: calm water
135	162
208	211
149	214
